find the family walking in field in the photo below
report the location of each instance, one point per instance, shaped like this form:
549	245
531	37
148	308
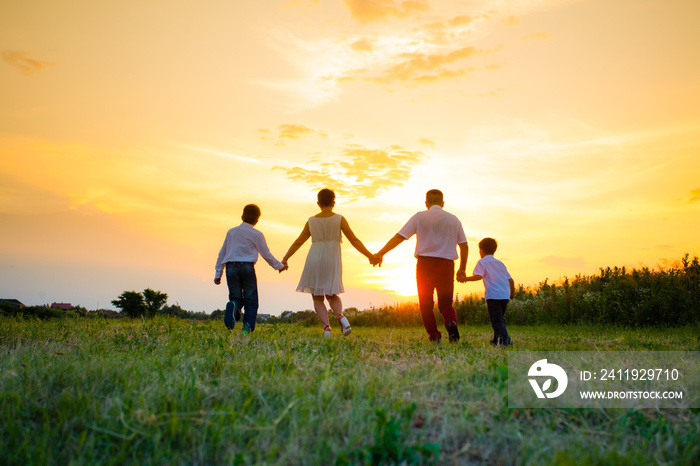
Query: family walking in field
439	237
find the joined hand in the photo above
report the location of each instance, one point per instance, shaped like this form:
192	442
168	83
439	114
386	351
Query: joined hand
376	260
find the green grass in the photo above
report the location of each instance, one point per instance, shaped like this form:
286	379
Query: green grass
168	391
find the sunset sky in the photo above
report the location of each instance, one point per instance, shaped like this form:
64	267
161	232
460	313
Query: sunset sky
132	133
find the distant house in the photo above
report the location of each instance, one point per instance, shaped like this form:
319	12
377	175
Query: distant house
62	306
12	302
264	317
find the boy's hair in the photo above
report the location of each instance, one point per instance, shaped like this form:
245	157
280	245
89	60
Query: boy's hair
251	214
325	197
434	197
488	245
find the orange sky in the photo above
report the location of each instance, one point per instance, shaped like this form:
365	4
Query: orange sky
132	134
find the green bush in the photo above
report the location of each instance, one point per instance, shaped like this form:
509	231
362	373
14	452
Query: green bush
39	312
640	297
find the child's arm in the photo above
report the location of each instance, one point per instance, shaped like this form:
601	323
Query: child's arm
471	278
305	234
219	268
355	241
264	251
512	288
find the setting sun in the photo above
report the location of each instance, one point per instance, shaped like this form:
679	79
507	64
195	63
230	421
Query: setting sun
398	280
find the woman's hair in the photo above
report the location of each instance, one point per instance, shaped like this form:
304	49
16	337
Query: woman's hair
326	197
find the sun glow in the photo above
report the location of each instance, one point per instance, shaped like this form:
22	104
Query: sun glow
401	286
398	279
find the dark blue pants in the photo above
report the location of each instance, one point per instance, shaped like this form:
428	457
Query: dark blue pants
243	289
497	313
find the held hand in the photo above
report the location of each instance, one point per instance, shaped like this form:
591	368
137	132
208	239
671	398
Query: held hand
286	267
375	260
461	276
217	281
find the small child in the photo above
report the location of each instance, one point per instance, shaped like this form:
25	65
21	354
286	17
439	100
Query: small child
499	287
239	254
323	271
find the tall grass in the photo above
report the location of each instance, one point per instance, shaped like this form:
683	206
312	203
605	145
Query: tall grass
168	391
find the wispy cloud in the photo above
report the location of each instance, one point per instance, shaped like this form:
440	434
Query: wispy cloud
696	195
450	30
495	93
363	45
420	68
427	43
381	10
360	172
427	53
23	62
229	155
538	36
427	142
415	52
292	131
289	132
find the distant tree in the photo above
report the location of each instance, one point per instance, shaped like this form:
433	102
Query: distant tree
154	301
174	310
131	303
217	315
306	317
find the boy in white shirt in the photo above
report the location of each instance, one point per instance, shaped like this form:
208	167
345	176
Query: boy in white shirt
499	287
239	254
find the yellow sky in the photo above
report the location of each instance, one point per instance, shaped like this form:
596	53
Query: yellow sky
132	134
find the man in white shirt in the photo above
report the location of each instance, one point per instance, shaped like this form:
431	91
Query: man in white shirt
239	255
438	234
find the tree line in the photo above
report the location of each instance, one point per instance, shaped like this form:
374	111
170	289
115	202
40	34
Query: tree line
151	303
666	296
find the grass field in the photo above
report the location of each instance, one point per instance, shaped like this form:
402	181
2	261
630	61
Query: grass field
168	391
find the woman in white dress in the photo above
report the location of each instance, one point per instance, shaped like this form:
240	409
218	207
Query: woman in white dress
323	271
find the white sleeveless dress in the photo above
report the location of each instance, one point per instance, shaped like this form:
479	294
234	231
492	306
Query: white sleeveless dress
323	270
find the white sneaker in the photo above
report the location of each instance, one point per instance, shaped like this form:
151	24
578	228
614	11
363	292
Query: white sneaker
327	331
345	326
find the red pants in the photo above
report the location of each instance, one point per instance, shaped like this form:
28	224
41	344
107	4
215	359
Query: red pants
434	273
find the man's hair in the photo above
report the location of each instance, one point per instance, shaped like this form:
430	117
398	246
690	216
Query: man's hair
488	245
434	197
251	214
325	197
